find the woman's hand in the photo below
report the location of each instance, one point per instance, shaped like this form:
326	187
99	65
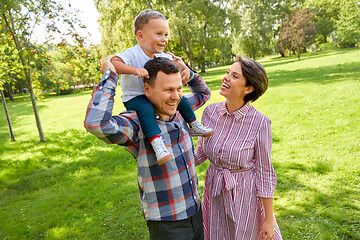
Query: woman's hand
106	64
268	230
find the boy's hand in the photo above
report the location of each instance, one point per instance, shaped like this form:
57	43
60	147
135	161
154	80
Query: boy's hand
106	64
184	70
141	72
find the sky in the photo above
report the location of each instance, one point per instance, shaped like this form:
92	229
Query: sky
88	16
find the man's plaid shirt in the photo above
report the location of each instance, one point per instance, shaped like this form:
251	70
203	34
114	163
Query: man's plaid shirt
168	192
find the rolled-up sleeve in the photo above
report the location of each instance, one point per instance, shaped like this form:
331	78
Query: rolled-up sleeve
265	174
199	151
99	121
200	92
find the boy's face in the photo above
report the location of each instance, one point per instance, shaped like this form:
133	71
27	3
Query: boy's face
153	37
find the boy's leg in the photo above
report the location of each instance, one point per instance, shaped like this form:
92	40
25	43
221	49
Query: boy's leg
186	111
196	128
146	114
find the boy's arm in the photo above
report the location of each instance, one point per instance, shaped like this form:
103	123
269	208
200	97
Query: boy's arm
184	70
121	129
200	92
122	68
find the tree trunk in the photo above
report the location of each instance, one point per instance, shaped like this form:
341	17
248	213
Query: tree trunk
325	38
9	91
298	53
282	54
12	137
27	75
34	106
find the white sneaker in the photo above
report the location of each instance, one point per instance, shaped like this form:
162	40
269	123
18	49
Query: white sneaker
197	129
161	152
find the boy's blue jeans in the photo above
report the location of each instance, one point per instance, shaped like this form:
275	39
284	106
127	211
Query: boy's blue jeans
146	114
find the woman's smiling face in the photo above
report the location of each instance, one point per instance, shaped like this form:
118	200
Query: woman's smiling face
233	86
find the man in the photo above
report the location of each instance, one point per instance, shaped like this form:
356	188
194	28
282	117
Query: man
169	193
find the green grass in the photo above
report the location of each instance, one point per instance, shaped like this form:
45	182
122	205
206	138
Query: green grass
73	186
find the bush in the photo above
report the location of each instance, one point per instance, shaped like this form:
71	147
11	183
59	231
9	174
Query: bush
66	91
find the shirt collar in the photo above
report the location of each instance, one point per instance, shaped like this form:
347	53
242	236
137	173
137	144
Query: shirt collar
238	114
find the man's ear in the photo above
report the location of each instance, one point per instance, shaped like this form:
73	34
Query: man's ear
147	89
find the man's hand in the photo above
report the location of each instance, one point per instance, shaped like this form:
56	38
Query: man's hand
106	64
184	70
141	72
268	230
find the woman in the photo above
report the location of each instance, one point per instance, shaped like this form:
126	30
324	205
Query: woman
240	181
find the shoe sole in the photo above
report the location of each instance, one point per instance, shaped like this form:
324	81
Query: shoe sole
165	159
202	135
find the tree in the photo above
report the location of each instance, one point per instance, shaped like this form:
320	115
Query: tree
348	25
18	19
299	31
260	20
75	65
324	27
326	14
195	25
12	137
254	34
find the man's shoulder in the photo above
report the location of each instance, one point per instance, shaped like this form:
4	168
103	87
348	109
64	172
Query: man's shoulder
130	114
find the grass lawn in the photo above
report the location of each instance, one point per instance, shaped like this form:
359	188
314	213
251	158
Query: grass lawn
74	186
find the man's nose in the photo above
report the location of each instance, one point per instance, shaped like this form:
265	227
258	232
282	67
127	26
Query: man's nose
175	95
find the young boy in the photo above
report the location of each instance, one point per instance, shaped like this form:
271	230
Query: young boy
151	29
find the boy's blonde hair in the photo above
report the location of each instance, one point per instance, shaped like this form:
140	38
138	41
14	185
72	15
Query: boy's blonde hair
144	16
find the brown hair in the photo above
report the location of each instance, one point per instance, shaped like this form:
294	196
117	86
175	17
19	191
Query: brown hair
255	76
144	16
153	66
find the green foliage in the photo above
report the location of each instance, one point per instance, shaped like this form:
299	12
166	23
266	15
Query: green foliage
74	66
256	30
297	32
348	25
203	32
76	187
198	29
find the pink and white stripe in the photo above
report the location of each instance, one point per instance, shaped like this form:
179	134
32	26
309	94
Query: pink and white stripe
239	174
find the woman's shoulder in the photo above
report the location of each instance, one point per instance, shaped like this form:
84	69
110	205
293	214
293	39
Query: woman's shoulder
259	115
214	106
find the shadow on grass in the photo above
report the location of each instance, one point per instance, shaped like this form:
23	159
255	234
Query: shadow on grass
294	59
71	186
317	210
63	153
320	75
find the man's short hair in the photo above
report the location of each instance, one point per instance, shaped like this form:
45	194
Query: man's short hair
144	16
153	66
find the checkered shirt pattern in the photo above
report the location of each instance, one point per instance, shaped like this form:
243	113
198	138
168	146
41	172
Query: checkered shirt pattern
168	192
